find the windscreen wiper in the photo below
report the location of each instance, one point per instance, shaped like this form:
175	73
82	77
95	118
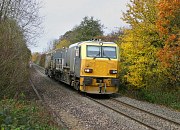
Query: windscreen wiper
96	56
106	56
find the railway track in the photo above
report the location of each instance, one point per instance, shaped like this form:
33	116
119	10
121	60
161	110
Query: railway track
121	113
136	108
35	90
145	111
41	70
54	114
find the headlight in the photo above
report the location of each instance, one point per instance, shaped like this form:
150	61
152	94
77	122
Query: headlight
113	71
87	70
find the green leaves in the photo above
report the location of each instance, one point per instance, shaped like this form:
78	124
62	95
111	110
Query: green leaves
19	115
140	11
139	44
86	30
150	48
63	43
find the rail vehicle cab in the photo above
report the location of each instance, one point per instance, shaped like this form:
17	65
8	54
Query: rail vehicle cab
99	63
89	66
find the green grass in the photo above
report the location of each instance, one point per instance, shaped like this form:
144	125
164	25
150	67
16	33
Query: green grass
169	98
24	115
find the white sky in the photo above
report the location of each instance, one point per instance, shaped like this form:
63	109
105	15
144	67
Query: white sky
61	16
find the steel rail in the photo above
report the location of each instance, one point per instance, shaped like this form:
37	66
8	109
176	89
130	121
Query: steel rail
161	117
35	90
148	112
126	115
43	102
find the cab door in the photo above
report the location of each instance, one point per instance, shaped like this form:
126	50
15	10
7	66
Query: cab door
77	64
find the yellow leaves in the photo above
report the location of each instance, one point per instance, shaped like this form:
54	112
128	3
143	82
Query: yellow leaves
63	43
135	79
151	48
138	56
35	56
135	75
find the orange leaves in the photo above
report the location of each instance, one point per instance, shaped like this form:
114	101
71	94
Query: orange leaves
168	9
167	23
171	38
150	51
169	30
164	57
169	55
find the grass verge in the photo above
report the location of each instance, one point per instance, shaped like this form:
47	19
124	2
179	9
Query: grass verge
167	98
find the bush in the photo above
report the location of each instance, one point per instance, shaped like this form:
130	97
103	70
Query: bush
39	59
14	58
168	98
23	115
42	60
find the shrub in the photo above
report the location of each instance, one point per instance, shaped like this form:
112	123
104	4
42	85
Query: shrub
14	58
23	115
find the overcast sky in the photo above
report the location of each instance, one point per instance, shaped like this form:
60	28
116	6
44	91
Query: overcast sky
61	16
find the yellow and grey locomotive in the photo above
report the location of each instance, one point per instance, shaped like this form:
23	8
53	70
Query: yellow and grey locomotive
89	66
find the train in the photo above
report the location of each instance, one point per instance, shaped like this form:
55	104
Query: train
88	66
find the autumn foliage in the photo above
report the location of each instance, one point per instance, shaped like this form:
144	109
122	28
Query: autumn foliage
14	59
168	25
168	17
150	49
38	58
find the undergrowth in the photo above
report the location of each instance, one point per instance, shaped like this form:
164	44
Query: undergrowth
20	115
169	98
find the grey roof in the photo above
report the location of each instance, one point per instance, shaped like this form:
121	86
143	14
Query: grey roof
79	43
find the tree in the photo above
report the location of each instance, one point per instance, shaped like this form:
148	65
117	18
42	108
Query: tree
14	58
88	29
26	14
19	25
63	43
140	11
112	37
168	25
35	57
168	19
150	48
139	65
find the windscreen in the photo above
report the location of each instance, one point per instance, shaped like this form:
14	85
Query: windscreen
109	52
93	51
101	51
